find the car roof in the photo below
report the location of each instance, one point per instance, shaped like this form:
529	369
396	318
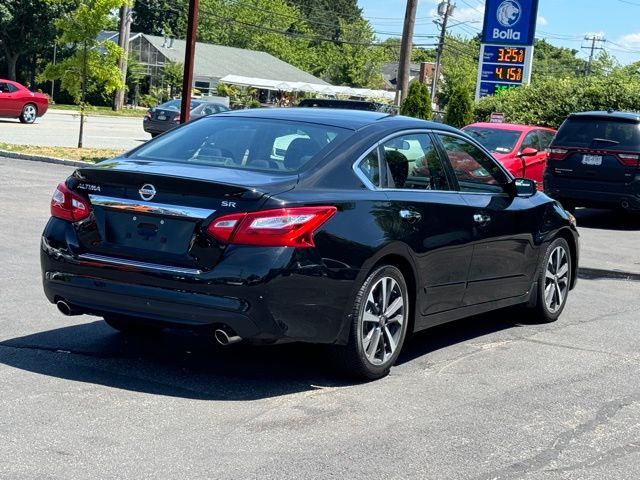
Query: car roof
633	116
509	126
337	117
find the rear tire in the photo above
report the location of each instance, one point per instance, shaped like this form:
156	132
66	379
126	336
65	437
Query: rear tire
552	286
29	113
131	325
380	319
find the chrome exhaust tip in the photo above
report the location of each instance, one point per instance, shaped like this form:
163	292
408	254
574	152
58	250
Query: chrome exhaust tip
67	309
624	204
224	339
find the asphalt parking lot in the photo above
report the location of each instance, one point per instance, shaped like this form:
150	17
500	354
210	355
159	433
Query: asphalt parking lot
484	398
59	128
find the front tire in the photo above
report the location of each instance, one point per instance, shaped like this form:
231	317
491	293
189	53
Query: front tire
380	319
553	283
29	113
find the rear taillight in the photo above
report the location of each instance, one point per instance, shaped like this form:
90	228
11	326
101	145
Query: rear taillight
147	116
285	227
68	205
629	159
557	153
177	118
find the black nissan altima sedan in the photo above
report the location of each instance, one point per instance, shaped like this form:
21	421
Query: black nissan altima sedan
347	228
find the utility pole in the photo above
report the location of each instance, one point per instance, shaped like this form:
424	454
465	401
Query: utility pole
123	42
445	10
189	53
594	39
406	47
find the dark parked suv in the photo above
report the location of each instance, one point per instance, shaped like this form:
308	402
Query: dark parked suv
594	161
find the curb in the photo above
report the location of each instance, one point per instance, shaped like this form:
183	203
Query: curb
44	159
89	114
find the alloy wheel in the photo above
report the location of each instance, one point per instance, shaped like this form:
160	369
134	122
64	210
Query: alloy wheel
29	113
383	320
556	283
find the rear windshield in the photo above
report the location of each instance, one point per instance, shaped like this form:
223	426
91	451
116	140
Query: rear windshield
175	105
344	104
594	132
243	143
494	139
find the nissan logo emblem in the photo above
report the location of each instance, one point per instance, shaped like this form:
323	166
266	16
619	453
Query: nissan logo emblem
147	191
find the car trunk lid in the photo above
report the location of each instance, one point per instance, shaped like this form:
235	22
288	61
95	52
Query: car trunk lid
157	212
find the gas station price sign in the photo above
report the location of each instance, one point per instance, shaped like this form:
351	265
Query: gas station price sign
496	54
503	67
506	55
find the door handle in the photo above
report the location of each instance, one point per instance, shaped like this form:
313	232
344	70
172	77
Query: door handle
481	219
411	215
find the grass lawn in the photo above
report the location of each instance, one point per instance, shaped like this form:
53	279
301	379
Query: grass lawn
125	112
67	153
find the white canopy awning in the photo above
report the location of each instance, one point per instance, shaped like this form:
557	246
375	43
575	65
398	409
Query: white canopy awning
285	86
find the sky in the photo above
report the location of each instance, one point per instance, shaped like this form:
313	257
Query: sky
563	23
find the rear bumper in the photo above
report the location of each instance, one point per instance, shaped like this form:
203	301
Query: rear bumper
155	127
583	193
263	295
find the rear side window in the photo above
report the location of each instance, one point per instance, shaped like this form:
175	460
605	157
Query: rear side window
243	143
597	132
546	137
370	167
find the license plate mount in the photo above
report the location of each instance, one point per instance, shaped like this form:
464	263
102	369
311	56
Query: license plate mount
593	160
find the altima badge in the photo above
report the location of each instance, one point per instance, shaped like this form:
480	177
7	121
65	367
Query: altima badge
147	191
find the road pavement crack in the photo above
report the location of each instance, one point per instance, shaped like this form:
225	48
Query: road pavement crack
538	462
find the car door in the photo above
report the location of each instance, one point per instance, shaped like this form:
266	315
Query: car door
504	257
5	99
429	216
533	164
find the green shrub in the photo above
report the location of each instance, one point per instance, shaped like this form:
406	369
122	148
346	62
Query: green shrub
148	101
460	108
418	102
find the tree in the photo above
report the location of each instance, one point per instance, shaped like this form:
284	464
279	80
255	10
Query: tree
159	17
459	67
135	73
460	108
26	29
94	62
552	61
355	61
324	16
173	73
418	102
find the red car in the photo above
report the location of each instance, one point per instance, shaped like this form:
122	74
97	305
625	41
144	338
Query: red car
520	148
17	101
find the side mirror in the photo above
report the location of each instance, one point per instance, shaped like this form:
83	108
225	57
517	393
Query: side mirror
524	187
528	152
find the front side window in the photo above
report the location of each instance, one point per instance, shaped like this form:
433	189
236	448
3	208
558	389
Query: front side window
243	143
531	141
475	171
413	163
